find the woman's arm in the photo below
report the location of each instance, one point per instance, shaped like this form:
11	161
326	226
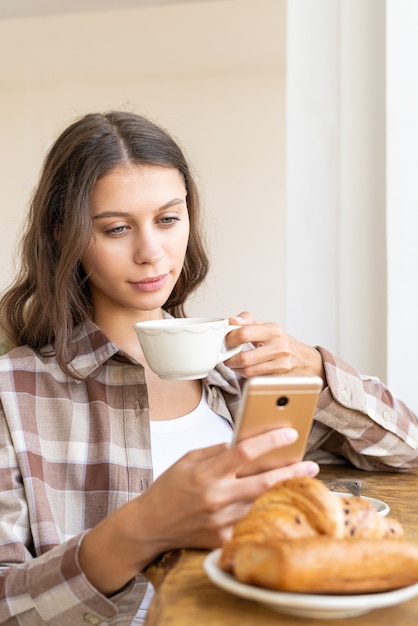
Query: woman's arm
35	588
358	419
194	504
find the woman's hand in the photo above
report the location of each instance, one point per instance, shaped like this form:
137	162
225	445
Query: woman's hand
205	496
274	352
194	504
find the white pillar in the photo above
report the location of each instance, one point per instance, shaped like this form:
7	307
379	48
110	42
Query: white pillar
402	198
335	261
312	171
362	204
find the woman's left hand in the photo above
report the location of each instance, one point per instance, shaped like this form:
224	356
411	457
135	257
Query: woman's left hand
274	351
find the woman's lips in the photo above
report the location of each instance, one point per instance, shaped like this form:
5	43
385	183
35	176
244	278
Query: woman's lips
151	284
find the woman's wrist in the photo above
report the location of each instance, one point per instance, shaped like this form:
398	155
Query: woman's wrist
113	552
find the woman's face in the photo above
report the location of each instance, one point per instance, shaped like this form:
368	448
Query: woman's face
141	229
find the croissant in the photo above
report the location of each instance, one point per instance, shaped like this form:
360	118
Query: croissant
300	536
326	565
305	507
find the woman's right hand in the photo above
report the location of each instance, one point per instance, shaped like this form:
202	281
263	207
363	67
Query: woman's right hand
194	504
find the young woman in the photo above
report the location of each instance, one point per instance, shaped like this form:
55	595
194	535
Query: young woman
104	466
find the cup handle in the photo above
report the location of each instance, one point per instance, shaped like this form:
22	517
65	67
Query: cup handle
227	354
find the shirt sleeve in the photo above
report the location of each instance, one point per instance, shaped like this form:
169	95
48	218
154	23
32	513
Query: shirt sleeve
360	421
49	588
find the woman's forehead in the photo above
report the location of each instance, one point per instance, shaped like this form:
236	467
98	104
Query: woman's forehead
135	185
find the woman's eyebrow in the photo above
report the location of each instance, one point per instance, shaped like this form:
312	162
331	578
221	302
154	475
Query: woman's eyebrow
105	214
124	214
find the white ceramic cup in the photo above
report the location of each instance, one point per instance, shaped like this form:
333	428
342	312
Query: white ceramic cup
185	348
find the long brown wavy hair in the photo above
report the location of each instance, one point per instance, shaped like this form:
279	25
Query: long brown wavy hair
50	295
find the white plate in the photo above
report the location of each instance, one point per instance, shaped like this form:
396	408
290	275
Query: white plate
304	605
381	507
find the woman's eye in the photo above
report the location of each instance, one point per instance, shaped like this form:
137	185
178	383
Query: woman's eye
117	230
167	221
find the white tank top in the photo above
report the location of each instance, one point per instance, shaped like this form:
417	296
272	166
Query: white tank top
171	439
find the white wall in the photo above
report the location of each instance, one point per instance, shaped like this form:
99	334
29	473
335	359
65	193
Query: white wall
301	119
212	73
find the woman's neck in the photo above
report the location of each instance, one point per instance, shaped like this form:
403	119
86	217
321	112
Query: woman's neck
120	328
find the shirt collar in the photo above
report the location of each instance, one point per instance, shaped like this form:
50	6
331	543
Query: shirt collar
91	349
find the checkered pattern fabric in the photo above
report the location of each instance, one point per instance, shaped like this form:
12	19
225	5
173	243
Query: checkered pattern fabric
72	451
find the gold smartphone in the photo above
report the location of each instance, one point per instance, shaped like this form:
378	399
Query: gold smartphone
270	402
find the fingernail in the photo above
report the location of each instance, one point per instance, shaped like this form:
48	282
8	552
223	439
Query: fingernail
313	469
290	435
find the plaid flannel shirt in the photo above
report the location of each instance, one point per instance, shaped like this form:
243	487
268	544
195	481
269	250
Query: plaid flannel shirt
71	452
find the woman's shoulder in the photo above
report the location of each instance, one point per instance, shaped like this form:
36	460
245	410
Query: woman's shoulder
18	357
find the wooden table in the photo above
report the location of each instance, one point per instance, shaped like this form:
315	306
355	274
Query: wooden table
186	597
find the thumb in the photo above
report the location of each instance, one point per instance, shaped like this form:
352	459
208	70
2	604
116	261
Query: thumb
243	319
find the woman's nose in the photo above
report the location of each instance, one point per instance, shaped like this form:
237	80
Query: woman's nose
148	248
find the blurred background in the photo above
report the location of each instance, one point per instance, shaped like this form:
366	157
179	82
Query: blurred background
300	118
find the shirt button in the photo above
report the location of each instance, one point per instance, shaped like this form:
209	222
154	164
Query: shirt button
214	392
345	395
386	416
91	619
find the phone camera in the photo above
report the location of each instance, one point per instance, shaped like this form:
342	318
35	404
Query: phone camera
282	401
